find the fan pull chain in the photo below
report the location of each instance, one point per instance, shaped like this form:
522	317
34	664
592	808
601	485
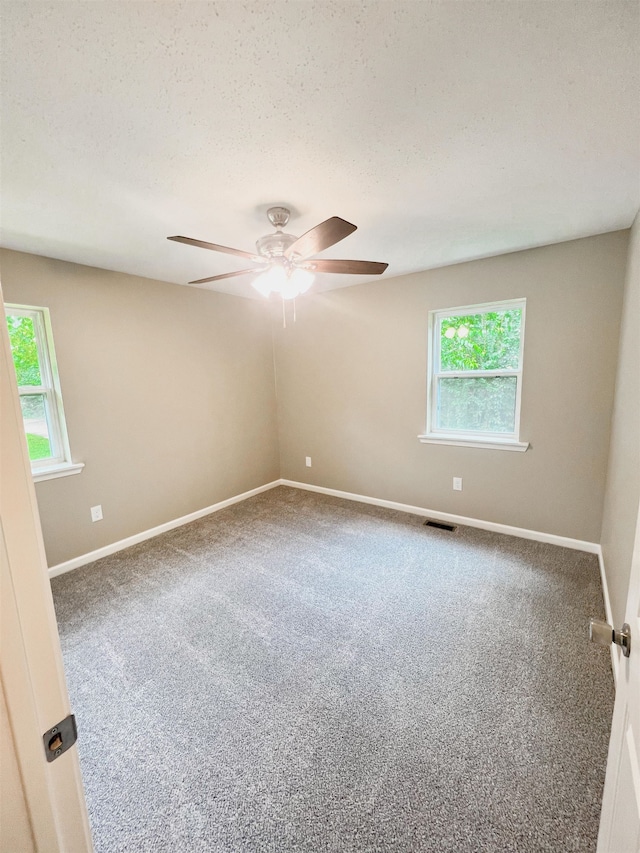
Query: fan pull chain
284	312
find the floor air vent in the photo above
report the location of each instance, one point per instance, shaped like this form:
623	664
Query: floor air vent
441	525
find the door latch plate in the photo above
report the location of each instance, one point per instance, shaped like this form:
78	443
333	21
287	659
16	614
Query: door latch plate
60	737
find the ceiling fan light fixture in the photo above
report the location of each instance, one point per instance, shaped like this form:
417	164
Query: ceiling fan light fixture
288	283
302	280
261	285
270	281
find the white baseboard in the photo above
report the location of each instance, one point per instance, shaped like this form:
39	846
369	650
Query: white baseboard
615	650
522	532
83	559
508	530
551	538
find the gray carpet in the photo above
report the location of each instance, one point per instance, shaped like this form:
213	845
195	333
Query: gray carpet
301	673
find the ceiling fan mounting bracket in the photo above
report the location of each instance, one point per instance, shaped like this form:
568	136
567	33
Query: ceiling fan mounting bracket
278	216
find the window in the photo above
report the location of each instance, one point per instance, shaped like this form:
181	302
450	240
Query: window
475	375
39	389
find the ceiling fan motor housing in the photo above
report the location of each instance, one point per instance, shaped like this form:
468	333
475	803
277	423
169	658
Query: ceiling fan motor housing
275	245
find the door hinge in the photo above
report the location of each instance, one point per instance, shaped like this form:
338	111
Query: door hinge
59	738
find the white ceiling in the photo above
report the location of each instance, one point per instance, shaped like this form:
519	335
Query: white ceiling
445	131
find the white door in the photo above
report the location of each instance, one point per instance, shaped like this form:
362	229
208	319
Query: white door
620	820
43	805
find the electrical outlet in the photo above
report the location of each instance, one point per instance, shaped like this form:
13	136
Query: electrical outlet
96	513
307	461
457	484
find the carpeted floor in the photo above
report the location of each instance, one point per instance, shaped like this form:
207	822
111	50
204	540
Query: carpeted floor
301	673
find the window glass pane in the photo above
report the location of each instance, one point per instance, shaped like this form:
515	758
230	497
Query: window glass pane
34	415
484	404
24	350
488	341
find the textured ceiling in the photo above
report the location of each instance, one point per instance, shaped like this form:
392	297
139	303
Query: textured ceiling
445	130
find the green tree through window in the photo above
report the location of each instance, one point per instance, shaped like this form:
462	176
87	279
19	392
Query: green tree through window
475	383
489	341
40	398
24	350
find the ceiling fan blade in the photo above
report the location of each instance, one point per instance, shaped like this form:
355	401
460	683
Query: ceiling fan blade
224	275
216	248
345	267
326	234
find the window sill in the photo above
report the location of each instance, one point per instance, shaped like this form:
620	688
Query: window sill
65	469
485	443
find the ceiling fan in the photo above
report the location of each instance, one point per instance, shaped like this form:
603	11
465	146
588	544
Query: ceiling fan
284	262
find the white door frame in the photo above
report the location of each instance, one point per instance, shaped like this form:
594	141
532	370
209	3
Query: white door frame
52	804
620	816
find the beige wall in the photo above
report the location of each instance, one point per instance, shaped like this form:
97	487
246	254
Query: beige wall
623	480
351	385
168	393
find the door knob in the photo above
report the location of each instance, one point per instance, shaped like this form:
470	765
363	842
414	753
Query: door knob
603	634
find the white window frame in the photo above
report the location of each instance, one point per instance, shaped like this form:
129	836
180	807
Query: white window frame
470	438
59	464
